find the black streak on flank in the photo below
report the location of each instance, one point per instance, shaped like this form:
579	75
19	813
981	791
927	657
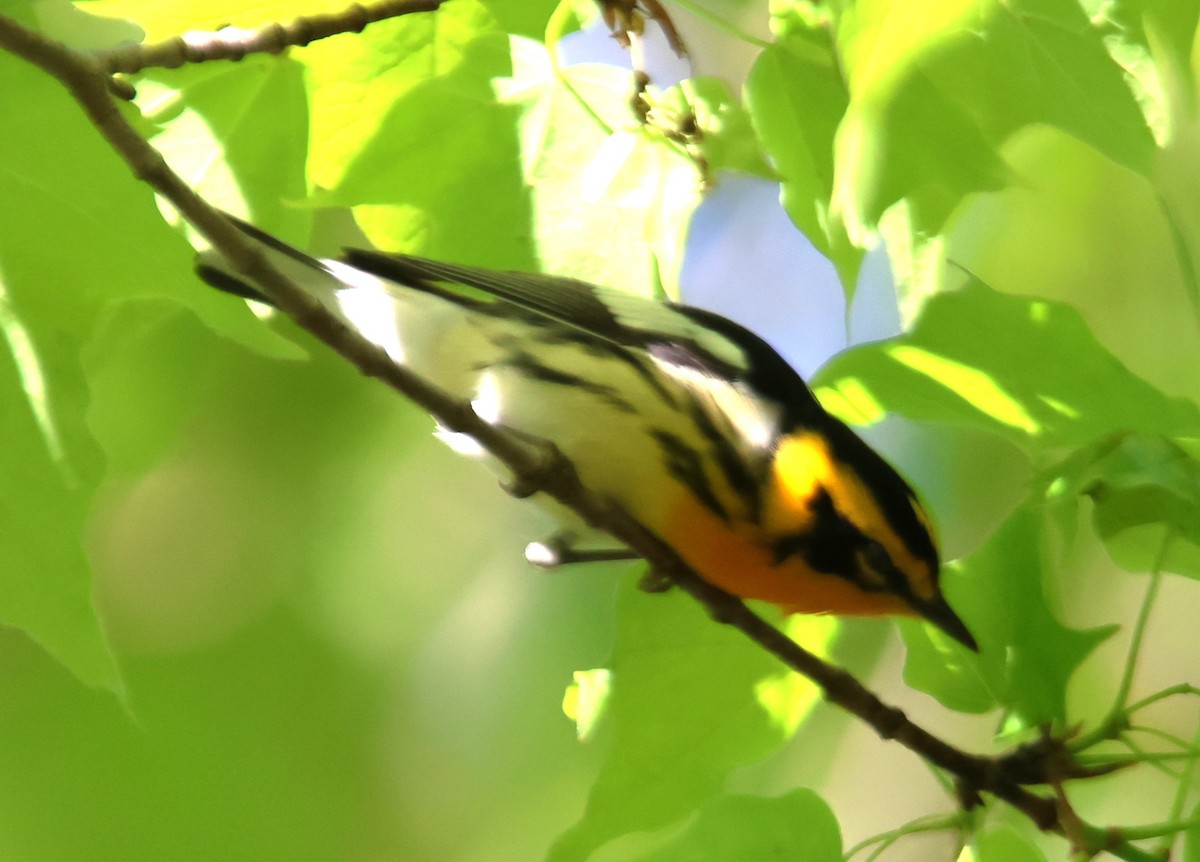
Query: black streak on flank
734	468
528	365
550	332
683	462
604	348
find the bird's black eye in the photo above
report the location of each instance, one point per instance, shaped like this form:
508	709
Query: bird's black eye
880	562
877	558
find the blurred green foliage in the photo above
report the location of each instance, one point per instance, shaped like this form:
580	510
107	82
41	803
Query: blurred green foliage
252	611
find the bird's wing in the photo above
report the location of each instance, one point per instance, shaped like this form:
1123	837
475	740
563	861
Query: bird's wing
613	315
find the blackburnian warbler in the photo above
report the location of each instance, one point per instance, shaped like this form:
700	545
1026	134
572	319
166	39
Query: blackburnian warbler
691	423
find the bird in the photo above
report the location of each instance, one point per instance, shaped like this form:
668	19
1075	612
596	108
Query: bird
690	422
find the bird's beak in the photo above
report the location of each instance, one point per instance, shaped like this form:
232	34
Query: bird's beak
943	616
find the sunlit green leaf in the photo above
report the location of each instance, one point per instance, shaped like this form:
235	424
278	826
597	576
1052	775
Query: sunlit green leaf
915	84
789	697
610	203
1027	369
586	698
164	20
237	133
404	115
1152	41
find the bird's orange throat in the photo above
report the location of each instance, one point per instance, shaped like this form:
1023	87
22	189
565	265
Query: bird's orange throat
739	560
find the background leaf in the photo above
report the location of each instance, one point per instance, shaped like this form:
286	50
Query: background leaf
1022	368
1005	845
682	712
796	98
1026	655
798	825
1145	492
913	81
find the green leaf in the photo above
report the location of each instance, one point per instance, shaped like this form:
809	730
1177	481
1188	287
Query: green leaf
682	712
1026	655
917	261
1027	369
47	470
789	697
796	98
563	129
523	17
405	115
585	700
75	195
611	207
167	20
237	133
141	367
1004	844
1145	491
62	255
932	97
1152	41
798	825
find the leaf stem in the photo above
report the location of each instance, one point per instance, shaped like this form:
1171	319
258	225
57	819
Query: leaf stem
556	29
1183	256
884	840
1169	691
1182	790
1118	716
1159	830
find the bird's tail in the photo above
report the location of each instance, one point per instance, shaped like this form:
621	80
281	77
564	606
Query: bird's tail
310	273
421	326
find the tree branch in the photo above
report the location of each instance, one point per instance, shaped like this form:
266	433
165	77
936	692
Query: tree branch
232	43
538	467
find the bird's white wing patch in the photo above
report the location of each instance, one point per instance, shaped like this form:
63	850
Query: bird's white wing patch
754	419
367	305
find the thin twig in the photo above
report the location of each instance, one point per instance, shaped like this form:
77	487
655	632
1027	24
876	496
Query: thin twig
1183	255
1169	691
1183	790
884	840
232	43
536	468
1118	715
